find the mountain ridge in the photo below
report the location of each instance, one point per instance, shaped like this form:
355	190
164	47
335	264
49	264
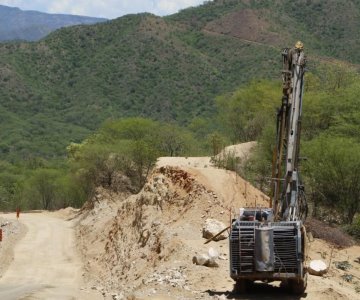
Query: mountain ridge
31	25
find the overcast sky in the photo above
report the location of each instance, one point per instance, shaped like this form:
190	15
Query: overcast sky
103	8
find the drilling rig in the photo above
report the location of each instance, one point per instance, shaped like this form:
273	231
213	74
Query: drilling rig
269	244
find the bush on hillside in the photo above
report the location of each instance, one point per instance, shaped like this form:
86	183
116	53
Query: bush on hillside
354	228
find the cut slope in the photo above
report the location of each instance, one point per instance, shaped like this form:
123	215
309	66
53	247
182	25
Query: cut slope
151	239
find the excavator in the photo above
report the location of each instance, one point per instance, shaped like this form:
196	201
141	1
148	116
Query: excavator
269	244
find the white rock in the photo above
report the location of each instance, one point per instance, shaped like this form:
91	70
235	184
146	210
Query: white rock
317	267
212	227
213	253
201	259
212	263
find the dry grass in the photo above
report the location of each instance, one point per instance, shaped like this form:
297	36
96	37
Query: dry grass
328	233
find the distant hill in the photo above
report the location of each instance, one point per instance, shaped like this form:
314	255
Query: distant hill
328	27
63	87
16	24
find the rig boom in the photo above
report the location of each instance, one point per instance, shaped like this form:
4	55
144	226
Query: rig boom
288	192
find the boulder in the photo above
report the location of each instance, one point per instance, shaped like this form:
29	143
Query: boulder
201	259
211	263
213	253
205	260
212	227
317	267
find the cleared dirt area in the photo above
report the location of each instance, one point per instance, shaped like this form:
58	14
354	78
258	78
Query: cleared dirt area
247	24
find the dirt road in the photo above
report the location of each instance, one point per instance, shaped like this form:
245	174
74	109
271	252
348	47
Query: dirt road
46	264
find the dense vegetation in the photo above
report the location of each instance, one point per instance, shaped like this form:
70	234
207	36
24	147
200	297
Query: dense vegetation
118	156
64	87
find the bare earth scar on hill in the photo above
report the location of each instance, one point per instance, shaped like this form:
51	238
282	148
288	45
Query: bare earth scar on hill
247	24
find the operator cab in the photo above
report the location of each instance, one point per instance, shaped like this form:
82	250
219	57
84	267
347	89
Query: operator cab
256	214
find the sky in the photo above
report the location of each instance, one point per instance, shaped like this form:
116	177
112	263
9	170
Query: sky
103	8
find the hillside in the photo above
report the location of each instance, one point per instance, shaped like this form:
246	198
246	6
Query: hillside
62	88
327	27
16	24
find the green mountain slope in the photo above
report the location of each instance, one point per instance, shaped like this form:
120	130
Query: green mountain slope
60	89
327	27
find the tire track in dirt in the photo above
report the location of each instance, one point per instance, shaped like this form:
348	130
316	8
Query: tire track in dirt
46	263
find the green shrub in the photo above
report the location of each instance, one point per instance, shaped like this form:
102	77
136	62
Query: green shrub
354	228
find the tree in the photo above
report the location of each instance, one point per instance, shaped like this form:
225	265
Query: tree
94	164
175	141
259	166
128	129
129	146
43	184
333	168
247	112
337	75
216	142
69	192
143	156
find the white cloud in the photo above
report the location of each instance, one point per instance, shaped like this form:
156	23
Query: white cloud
167	6
26	5
103	8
